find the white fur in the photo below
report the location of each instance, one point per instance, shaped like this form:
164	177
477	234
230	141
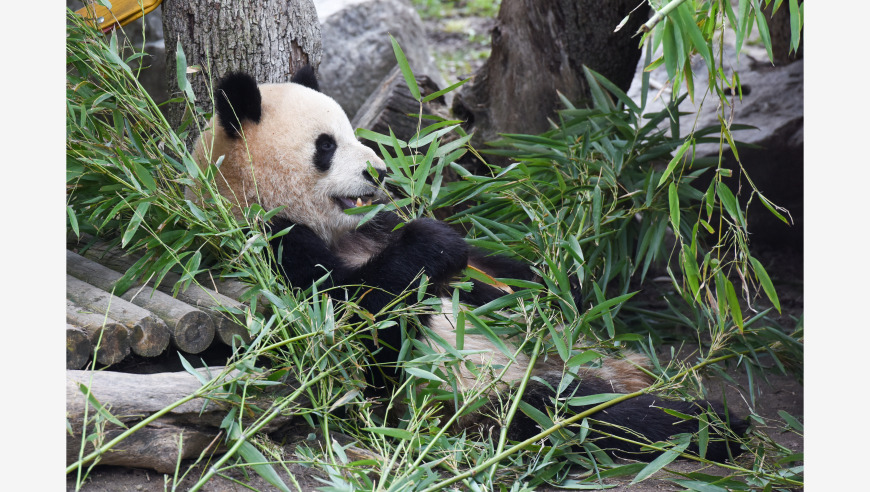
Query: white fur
273	163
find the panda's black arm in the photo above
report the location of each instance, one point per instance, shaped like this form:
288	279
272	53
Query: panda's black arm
302	256
422	245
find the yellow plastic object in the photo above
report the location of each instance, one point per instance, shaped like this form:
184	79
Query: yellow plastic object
122	12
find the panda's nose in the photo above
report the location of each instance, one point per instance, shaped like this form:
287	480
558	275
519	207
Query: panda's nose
382	175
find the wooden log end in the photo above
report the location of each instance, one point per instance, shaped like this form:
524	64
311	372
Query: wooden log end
194	332
78	347
112	343
150	337
227	328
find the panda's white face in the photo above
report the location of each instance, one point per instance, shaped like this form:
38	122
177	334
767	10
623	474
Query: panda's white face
302	155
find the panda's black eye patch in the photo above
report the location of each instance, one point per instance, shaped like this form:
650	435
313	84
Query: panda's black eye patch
324	149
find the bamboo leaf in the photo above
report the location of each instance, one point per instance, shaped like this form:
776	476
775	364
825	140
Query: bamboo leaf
674	161
181	72
261	465
795	21
730	203
73	222
99	407
407	73
669	47
582	358
660	462
791	421
763	31
596	209
687	24
440	93
539	417
389	431
674	204
734	304
378	138
420	373
138	216
612	88
766	283
593	399
690	270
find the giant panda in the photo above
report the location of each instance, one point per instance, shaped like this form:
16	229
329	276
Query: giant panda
291	146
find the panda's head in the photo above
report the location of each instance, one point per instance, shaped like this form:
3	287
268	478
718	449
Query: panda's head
290	145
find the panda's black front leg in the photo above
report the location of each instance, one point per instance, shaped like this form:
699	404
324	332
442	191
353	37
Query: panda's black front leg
421	246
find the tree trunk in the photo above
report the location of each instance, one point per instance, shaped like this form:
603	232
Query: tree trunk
539	48
270	39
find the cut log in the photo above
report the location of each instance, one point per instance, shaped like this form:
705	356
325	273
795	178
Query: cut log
191	329
132	397
112	338
149	335
227	325
78	347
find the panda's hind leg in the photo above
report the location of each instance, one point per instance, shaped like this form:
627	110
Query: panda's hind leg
641	419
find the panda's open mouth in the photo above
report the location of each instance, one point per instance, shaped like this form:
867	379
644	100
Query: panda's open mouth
353	202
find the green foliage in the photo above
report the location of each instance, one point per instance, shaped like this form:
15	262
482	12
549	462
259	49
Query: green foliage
602	202
442	8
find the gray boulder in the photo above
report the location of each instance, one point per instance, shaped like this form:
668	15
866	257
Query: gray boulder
357	53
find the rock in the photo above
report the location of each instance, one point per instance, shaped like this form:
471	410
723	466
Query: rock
357	53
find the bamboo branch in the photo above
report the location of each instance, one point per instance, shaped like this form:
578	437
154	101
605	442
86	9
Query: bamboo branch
660	15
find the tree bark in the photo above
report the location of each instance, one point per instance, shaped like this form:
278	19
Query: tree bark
270	39
539	49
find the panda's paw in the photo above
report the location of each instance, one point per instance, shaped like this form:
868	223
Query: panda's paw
436	247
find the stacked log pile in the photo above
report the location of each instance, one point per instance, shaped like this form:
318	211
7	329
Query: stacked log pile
143	320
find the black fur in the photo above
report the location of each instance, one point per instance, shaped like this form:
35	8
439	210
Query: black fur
324	149
306	76
237	99
424	245
643	414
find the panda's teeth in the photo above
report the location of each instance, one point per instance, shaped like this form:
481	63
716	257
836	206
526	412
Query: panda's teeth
359	202
369	201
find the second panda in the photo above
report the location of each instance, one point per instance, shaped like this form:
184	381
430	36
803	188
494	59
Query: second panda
291	146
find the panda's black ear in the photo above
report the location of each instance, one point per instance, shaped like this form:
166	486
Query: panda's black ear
237	99
305	76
